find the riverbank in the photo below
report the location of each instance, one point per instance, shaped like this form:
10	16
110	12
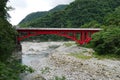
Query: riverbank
56	59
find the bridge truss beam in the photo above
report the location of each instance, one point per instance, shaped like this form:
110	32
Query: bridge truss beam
81	36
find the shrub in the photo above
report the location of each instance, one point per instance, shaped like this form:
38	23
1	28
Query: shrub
107	41
11	70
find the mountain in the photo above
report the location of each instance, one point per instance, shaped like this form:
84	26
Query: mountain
77	14
58	8
35	15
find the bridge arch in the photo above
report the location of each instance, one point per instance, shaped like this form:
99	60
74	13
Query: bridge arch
71	33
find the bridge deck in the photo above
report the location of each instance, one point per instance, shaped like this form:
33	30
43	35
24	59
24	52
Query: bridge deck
59	29
71	33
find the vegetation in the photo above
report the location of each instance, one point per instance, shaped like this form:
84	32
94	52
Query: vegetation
76	14
59	78
45	70
106	56
7	33
7	39
33	17
10	68
80	55
107	42
68	44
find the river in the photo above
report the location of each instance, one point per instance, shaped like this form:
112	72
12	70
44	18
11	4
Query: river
36	56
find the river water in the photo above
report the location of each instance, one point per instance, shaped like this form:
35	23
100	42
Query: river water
36	51
36	56
28	58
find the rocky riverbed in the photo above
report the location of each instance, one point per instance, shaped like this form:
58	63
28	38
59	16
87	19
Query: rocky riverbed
52	60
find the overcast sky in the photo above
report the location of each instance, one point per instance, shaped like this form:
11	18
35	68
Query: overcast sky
24	7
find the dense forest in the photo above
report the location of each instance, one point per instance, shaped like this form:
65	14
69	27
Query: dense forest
76	14
35	15
88	14
10	68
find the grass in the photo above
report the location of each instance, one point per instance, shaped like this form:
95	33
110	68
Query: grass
45	70
59	78
107	56
68	44
95	55
80	56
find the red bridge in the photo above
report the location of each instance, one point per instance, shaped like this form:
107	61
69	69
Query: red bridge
80	35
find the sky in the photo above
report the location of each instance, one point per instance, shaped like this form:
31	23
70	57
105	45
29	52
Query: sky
24	7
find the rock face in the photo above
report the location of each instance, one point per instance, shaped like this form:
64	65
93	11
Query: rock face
17	53
60	64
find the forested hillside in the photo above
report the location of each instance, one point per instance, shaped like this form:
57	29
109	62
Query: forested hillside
38	15
76	14
33	16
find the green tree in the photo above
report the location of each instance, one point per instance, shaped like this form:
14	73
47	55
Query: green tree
113	18
10	68
7	39
7	33
3	9
107	41
92	24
